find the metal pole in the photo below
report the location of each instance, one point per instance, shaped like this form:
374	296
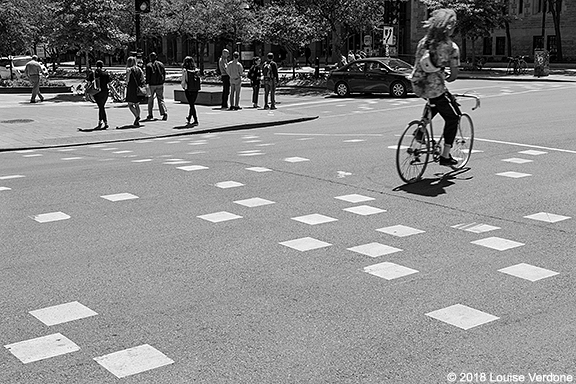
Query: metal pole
137	19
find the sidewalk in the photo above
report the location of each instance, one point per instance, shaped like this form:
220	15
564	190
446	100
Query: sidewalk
55	122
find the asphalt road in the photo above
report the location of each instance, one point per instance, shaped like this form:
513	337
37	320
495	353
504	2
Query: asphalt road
206	266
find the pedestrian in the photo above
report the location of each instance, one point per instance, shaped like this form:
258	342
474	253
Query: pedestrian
191	85
34	70
235	70
102	78
270	76
135	82
307	54
255	75
351	56
223	67
434	52
155	78
342	62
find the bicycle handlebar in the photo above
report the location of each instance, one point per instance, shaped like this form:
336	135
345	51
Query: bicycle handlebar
472	97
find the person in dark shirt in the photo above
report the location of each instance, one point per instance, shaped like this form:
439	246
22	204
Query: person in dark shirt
102	79
155	78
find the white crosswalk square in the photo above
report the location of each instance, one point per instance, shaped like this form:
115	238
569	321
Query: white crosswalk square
374	249
497	243
528	272
462	316
133	360
119	197
533	152
517	160
389	271
513	175
354	198
62	313
254	202
11	177
364	210
228	184
400	230
258	169
192	167
314	219
5	189
41	348
218	217
295	159
475	228
52	216
305	244
547	217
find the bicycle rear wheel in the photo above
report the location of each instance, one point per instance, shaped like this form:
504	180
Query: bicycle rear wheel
411	154
462	147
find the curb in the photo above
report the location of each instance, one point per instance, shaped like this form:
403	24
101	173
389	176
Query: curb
193	132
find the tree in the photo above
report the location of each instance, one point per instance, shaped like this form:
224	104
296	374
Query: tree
476	18
13	27
91	26
285	26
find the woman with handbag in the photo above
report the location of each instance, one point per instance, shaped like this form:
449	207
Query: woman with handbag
101	78
191	85
135	89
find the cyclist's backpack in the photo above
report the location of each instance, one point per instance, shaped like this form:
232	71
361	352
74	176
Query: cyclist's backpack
426	63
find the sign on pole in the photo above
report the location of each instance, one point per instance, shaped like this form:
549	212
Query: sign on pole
388	36
367	40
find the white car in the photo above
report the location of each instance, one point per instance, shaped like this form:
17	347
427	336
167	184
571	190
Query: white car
18	67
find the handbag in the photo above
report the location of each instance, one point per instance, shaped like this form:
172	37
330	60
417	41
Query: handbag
141	91
93	87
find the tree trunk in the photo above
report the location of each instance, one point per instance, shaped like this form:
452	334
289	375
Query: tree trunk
463	54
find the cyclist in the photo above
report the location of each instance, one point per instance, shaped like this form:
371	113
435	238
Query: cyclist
434	53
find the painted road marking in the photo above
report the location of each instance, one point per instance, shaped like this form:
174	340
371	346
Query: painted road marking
364	210
305	244
11	177
254	202
119	197
400	230
517	160
228	184
475	228
389	271
295	159
41	348
462	316
62	313
374	249
498	243
218	217
513	175
547	217
133	360
5	189
528	272
52	216
192	168
314	219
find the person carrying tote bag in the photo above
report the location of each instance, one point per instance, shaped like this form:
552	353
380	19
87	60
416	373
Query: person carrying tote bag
135	89
191	85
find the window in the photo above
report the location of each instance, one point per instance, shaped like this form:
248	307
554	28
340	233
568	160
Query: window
487	49
537	42
520	6
500	45
356	67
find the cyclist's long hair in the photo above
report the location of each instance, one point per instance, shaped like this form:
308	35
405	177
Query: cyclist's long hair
189	63
438	25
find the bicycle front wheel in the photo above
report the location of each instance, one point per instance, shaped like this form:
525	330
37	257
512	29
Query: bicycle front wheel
412	152
523	67
462	147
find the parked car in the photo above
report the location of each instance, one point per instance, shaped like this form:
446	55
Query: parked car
372	75
5	68
19	65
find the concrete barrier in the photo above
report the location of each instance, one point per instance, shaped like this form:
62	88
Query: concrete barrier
211	97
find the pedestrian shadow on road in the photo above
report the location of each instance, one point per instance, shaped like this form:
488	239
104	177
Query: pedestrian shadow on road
434	187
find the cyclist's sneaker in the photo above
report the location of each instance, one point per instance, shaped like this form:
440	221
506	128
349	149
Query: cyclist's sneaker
418	135
448	161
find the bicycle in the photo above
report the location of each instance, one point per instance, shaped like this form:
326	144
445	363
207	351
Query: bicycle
517	65
116	90
417	144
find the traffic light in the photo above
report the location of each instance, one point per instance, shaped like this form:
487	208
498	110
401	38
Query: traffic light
142	6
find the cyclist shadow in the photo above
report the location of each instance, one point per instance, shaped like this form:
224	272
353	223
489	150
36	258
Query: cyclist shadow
433	187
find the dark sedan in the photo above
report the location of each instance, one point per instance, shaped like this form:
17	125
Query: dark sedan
372	75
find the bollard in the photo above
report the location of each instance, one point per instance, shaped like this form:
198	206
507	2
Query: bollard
317	67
